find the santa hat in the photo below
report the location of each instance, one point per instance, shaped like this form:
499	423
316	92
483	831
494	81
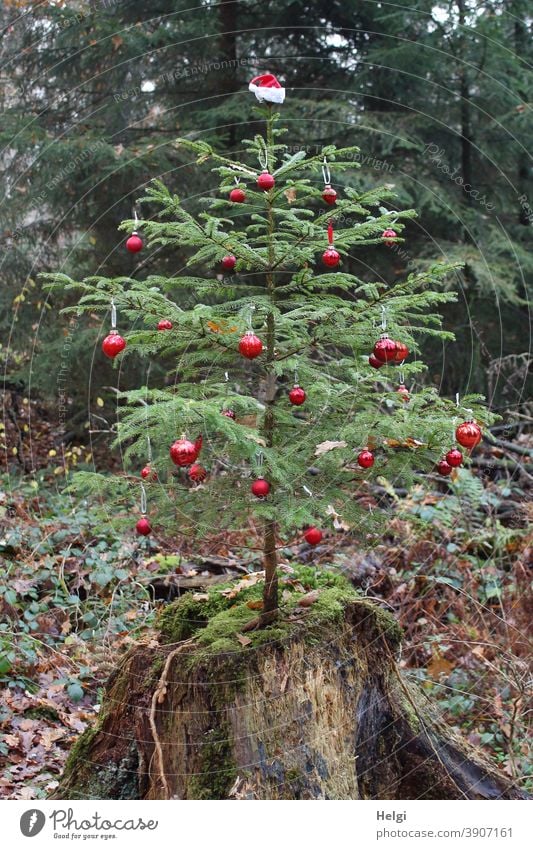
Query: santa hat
266	87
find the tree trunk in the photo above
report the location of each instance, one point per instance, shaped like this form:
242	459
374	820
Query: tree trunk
317	712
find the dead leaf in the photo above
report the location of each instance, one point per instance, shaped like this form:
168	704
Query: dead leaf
329	445
290	194
243	640
255	605
309	598
439	666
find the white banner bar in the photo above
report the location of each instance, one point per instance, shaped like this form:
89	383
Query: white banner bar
313	825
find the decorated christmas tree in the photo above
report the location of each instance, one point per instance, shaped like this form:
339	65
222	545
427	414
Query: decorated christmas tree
296	381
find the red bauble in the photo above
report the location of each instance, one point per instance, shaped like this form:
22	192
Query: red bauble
260	488
402	352
365	459
329	195
164	324
113	344
454	458
313	536
374	362
297	396
228	262
134	244
197	473
389	236
404	392
443	467
237	196
143	527
265	181
183	452
468	434
250	345
331	257
385	349
147	472
230	414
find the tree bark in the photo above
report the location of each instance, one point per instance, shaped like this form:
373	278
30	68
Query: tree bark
295	718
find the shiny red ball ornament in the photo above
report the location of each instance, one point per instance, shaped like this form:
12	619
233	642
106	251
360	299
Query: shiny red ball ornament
266	181
374	362
260	488
313	536
164	324
389	236
404	392
237	196
113	344
454	458
228	262
365	459
134	244
468	434
402	352
230	414
330	195
331	257
443	467
385	349
147	472
183	452
197	473
250	345
143	527
297	396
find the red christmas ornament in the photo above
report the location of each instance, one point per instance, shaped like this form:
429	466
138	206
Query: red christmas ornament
331	257
389	236
237	196
183	452
385	349
443	467
164	324
266	181
454	458
365	459
402	352
260	488
147	472
250	345
230	414
404	392
113	344
313	536
143	527
134	244
374	362
228	262
297	396
197	473
468	434
329	194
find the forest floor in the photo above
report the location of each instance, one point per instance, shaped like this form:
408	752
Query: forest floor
456	573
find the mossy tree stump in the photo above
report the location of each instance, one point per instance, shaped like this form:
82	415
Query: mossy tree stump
313	707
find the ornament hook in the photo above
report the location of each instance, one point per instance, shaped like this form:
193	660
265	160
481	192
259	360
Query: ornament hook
113	315
263	158
326	173
383	318
307	490
143	500
250	316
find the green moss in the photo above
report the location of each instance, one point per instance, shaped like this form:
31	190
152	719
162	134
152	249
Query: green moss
217	770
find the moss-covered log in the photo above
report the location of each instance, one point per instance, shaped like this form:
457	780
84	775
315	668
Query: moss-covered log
313	707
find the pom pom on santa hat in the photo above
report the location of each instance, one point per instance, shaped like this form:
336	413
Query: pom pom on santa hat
266	87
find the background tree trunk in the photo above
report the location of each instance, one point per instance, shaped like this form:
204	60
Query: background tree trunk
327	717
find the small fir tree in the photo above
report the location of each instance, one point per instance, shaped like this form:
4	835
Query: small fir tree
317	324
